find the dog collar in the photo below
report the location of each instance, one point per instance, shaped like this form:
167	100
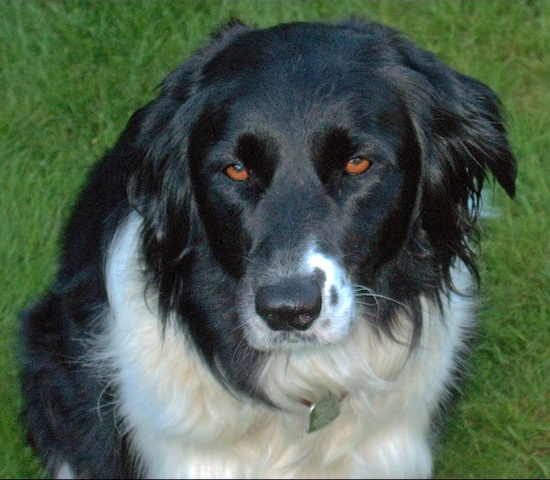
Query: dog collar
321	413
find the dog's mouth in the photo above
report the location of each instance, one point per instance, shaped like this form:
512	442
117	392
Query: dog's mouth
286	340
315	307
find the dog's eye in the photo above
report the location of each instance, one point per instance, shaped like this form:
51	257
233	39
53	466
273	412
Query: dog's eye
357	166
237	172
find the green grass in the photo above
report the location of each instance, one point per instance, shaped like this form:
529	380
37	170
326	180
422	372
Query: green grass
72	72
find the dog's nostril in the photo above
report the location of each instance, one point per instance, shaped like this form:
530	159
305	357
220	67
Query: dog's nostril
292	304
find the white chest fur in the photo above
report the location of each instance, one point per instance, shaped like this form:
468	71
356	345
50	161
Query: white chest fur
184	424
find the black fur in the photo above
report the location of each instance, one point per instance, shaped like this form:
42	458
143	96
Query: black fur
358	88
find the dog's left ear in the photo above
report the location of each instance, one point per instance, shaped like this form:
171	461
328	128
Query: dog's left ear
463	133
460	131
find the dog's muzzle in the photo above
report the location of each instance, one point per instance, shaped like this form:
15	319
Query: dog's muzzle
313	303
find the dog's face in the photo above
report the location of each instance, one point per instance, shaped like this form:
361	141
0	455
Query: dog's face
307	190
302	178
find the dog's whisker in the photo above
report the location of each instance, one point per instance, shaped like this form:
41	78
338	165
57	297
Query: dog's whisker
363	291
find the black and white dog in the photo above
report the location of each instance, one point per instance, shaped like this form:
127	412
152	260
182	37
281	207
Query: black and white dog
271	273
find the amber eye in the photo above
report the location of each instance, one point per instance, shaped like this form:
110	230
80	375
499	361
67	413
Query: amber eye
357	166
237	172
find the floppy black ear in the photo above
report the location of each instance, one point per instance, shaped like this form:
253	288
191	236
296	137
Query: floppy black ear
159	189
460	130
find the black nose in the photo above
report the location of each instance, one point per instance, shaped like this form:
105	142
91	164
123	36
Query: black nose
292	304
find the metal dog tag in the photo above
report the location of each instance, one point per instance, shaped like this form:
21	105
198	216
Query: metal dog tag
322	413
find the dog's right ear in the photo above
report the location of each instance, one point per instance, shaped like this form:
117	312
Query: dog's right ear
155	143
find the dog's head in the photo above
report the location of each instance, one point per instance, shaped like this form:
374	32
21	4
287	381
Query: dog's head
298	179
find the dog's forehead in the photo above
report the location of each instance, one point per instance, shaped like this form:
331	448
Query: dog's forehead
294	83
256	50
300	73
297	117
293	59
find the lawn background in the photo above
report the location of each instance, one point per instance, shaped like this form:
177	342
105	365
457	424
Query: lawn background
72	72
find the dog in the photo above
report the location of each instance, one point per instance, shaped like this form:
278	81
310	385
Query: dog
273	271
